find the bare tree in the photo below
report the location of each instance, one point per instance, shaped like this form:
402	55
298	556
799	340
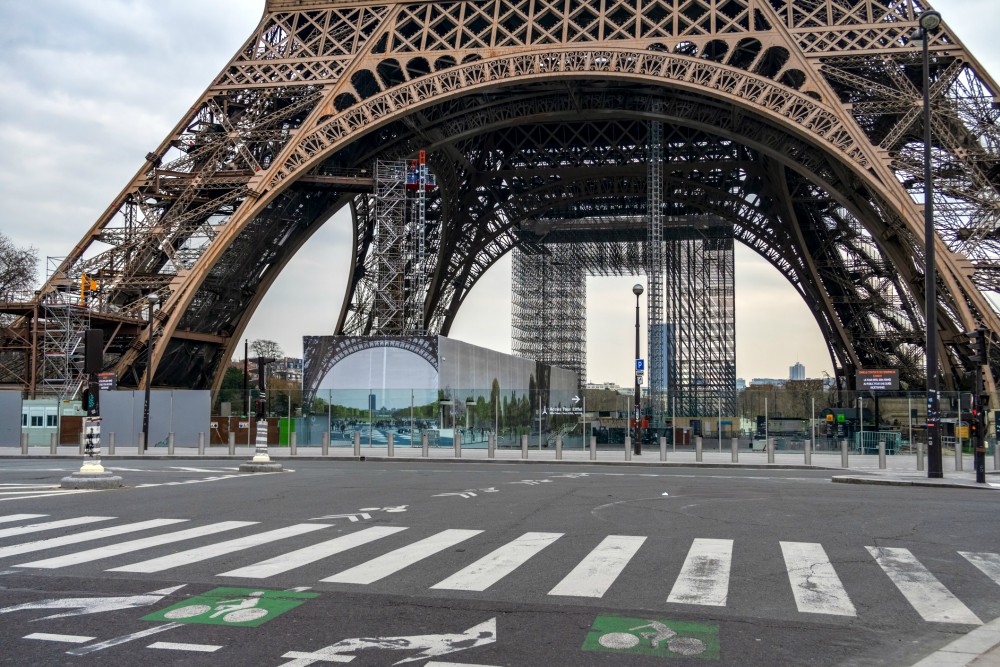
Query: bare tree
266	348
18	268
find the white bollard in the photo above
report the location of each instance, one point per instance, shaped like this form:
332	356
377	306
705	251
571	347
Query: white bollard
24	444
293	443
524	446
142	444
357	443
558	448
996	456
458	444
201	443
390	448
83	441
770	450
807	452
593	448
111	443
53	445
170	444
492	446
663	448
424	445
628	448
881	454
843	454
324	448
735	445
232	444
697	449
920	456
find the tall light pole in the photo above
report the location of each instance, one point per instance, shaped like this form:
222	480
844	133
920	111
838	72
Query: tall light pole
151	300
929	21
636	443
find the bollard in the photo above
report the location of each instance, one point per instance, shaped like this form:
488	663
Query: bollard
958	456
357	443
524	446
807	453
324	448
697	449
920	456
628	448
770	450
390	447
53	446
881	454
232	444
170	444
996	456
558	448
458	444
142	444
843	453
24	444
111	443
593	448
735	445
293	443
492	446
424	446
201	443
663	448
83	440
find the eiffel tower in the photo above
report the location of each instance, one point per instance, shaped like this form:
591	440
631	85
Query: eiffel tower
796	123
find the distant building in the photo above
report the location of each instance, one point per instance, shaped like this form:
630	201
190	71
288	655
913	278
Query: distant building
797	372
776	382
741	384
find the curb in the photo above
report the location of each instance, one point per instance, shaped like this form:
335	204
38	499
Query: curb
967	649
845	479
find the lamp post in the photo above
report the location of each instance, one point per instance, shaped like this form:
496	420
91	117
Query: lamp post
152	300
636	444
929	21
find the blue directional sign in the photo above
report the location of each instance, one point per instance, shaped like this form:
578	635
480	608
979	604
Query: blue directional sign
640	365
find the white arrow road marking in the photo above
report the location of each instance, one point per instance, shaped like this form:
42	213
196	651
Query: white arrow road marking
430	646
93	605
69	639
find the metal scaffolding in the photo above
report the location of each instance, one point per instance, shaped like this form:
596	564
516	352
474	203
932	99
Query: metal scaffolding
656	396
390	247
63	325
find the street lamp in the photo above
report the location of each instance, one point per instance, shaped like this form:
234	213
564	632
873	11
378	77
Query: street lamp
929	21
636	445
151	300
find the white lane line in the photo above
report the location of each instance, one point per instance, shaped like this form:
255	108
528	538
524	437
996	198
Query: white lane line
60	492
394	561
927	595
988	563
20	517
69	639
199	648
28	547
704	577
496	565
218	549
311	554
52	525
14	487
134	545
815	584
598	570
124	639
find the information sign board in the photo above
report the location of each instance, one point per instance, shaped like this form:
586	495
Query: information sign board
877	379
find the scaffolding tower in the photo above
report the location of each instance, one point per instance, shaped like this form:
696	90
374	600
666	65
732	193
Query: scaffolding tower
63	324
656	396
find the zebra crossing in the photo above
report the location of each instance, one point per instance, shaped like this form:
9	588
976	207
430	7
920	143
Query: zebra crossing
26	491
703	578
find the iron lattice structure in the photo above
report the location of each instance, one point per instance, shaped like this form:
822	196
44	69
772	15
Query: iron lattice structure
796	121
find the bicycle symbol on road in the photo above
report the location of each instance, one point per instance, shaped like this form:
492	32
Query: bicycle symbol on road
232	606
239	610
653	637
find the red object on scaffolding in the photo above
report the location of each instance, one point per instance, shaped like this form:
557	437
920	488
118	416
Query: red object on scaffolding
413	175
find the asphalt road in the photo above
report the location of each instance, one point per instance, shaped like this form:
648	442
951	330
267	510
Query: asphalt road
486	564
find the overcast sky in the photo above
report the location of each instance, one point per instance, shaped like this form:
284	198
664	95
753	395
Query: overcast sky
90	86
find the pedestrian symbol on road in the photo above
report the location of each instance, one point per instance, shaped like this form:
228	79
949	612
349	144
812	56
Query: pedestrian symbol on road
232	606
654	637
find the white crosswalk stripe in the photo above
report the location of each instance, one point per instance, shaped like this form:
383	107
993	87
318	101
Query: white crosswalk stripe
988	564
52	525
394	561
11	518
594	575
815	584
294	559
28	547
704	577
218	549
922	590
493	567
134	545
